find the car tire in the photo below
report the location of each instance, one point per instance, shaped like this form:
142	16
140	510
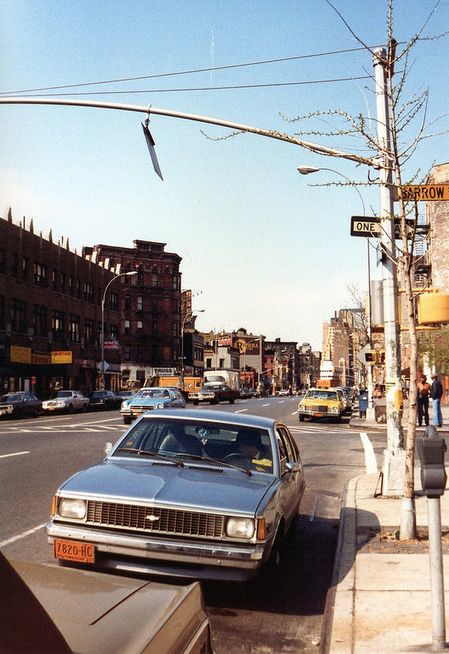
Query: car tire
301	418
127	420
70	408
231	401
195	402
85	408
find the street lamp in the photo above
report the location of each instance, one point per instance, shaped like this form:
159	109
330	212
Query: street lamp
187	317
125	274
308	170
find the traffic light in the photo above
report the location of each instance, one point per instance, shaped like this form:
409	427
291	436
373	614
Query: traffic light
371	357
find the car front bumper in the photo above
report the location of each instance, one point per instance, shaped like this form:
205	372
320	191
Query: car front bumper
132	552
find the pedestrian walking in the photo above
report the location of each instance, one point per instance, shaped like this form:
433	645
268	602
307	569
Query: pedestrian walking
436	393
423	387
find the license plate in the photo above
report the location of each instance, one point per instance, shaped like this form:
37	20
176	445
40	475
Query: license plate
71	550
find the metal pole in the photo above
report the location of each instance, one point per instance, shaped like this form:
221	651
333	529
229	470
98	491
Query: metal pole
394	454
436	574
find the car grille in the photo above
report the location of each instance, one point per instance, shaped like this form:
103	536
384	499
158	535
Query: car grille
142	407
155	519
321	408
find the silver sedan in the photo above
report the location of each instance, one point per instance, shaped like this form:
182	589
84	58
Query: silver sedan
198	494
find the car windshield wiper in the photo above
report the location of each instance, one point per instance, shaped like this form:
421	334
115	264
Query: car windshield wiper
135	450
220	462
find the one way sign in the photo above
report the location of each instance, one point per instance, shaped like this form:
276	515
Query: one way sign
369	227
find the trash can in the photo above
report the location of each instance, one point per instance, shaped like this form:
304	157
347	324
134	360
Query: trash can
363	403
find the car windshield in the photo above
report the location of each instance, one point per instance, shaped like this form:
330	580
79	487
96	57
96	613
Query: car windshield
245	447
63	394
11	397
98	394
321	395
212	387
153	393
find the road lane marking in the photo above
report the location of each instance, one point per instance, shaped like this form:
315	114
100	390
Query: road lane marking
268	404
370	457
241	411
22	535
3	456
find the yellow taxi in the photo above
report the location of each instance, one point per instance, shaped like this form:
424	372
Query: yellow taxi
322	403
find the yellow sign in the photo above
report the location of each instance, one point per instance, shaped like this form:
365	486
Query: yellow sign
40	358
63	356
425	193
19	354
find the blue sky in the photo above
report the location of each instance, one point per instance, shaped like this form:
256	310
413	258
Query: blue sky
261	247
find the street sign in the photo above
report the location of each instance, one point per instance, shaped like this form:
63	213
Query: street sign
425	192
369	226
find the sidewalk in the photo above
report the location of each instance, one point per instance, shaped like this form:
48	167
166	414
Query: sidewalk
380	599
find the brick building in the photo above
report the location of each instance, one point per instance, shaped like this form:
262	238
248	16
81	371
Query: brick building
150	309
50	313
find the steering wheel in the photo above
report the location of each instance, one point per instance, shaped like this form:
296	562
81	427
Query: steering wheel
238	459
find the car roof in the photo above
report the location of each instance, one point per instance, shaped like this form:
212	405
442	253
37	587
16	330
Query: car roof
238	419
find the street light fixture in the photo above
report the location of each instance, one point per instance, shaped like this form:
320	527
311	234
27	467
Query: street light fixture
187	317
125	274
308	170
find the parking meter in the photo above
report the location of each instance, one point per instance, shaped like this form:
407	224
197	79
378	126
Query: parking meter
431	453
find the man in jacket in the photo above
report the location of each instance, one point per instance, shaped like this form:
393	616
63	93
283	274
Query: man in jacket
436	393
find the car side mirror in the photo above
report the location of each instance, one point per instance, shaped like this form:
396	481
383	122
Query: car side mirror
293	466
107	448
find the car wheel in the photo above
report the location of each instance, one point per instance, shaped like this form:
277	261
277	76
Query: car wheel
231	401
301	418
195	402
84	408
36	413
70	408
127	420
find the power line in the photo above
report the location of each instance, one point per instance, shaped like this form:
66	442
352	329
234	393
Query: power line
203	88
189	72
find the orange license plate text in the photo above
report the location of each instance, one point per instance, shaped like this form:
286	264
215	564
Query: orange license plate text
70	550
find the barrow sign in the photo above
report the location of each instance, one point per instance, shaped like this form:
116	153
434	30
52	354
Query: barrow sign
369	226
425	193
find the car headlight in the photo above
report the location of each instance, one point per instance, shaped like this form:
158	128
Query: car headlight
334	409
70	508
240	527
301	407
159	405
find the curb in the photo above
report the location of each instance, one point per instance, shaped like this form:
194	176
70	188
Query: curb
347	502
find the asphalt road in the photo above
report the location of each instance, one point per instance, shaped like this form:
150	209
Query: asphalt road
280	612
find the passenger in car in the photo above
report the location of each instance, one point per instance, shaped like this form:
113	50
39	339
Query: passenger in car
249	443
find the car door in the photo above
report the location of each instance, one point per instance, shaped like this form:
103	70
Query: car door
292	480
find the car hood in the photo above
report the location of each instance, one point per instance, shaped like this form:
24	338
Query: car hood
149	401
223	489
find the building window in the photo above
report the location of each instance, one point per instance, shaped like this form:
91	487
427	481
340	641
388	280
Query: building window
74	329
24	268
113	331
88	291
40	274
2	312
15	265
208	363
19	316
221	363
139	326
127	303
71	286
62	279
113	301
89	332
78	289
127	327
54	279
40	320
154	280
154	308
57	324
139	278
154	327
126	353
139	303
2	260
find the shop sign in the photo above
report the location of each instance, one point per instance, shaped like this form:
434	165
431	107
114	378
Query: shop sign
19	354
40	359
162	372
61	356
112	344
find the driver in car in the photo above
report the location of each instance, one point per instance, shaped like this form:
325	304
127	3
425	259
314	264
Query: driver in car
250	446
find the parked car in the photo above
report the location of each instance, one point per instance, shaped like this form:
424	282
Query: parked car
214	392
347	397
66	401
196	494
21	404
52	609
124	395
104	400
147	399
322	403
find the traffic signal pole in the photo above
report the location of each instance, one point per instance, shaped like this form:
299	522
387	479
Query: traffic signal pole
394	453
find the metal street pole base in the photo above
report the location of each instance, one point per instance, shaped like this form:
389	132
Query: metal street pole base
393	473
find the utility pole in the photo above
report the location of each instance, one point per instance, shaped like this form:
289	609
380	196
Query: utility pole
394	454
